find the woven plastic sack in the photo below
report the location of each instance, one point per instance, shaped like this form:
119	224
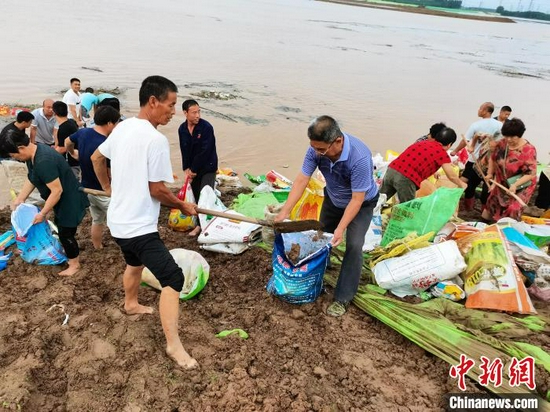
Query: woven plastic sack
299	278
35	242
422	215
419	269
196	271
492	280
177	220
309	205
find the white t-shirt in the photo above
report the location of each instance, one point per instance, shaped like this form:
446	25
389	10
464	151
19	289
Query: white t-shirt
139	154
71	98
488	126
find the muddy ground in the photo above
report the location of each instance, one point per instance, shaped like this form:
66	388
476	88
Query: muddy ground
296	357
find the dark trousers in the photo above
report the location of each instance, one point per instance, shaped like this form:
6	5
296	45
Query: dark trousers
208	179
473	182
543	198
352	264
68	241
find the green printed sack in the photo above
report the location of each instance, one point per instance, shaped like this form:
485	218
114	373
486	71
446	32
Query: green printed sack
196	271
422	215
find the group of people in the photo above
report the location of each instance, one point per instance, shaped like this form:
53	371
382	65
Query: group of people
130	162
132	168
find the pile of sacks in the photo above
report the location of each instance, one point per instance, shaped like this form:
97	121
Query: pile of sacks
425	251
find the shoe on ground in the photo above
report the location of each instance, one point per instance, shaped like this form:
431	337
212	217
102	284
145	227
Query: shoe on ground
337	309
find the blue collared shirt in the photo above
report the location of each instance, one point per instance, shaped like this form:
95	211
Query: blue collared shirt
352	172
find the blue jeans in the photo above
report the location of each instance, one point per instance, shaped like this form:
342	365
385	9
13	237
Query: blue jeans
352	264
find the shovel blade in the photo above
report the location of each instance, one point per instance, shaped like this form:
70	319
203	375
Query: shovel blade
297	226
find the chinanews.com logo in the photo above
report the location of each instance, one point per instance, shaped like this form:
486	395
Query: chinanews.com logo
520	372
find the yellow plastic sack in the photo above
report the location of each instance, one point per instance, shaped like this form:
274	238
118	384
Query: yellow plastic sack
309	205
177	220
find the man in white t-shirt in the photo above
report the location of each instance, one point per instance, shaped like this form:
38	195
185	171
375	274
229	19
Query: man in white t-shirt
140	166
485	128
72	100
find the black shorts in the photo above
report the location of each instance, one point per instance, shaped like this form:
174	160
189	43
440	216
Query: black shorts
149	250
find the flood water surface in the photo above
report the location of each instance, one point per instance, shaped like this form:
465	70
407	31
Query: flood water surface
262	70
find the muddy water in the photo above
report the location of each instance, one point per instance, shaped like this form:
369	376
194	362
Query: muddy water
386	76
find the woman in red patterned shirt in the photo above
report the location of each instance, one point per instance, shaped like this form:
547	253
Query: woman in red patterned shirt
513	164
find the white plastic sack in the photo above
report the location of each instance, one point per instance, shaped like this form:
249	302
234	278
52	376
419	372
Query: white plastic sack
222	230
419	269
225	181
223	235
374	233
196	271
231	248
209	200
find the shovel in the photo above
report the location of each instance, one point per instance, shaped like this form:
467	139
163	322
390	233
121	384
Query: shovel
280	227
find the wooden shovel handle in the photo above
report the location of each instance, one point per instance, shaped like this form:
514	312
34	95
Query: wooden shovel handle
521	202
94	192
199	210
233	217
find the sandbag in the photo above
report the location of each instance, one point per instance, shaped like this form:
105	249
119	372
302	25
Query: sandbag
422	215
222	230
177	220
373	237
36	243
299	263
416	271
540	289
492	280
539	234
223	235
209	200
196	271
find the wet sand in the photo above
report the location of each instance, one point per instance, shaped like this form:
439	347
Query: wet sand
420	10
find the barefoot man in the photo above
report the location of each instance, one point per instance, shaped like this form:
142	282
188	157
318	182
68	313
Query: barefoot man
140	164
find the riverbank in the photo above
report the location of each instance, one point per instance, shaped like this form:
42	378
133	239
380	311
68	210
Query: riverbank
420	10
296	358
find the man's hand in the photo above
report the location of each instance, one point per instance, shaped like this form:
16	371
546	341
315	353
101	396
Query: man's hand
188	209
338	237
513	188
283	214
15	203
190	174
39	218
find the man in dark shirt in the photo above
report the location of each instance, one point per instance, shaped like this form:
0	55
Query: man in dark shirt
198	150
23	121
88	140
66	127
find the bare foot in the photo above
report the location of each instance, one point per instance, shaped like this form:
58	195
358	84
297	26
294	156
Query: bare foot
182	358
70	271
195	232
138	309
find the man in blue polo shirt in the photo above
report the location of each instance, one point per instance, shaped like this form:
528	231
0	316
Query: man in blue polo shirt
86	141
350	197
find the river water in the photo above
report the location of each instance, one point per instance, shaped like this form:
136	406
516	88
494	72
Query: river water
386	76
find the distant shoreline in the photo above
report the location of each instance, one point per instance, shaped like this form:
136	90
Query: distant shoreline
419	10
